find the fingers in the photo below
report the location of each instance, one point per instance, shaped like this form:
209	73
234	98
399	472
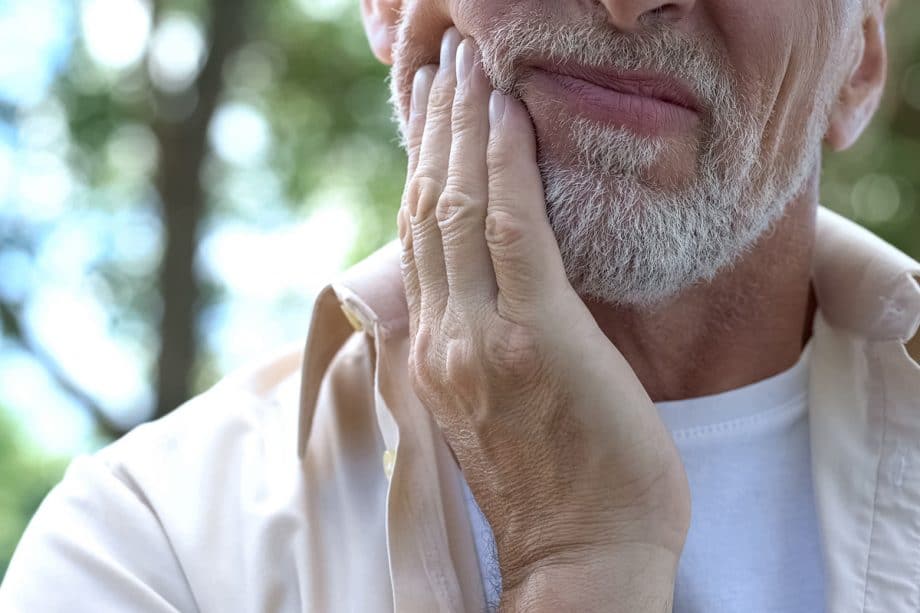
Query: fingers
462	207
427	184
474	224
523	248
421	88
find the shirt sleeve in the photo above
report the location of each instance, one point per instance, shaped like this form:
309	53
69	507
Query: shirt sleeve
95	545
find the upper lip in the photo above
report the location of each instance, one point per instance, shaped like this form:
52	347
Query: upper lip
638	83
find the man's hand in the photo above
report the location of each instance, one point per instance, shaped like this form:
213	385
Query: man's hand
561	445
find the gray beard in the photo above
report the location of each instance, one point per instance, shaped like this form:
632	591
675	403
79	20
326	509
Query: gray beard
624	240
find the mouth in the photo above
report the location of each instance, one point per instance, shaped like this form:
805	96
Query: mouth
647	103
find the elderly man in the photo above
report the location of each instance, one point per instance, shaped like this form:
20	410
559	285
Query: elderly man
614	299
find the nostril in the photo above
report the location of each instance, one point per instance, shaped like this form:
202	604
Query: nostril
672	11
630	15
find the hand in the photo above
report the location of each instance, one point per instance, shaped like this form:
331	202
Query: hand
561	445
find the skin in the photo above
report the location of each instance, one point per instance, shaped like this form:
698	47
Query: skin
606	518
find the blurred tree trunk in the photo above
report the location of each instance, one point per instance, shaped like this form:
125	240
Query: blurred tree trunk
183	145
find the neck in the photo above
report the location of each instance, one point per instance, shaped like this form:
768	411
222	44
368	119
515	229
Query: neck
749	323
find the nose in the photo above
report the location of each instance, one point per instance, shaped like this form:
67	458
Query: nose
631	15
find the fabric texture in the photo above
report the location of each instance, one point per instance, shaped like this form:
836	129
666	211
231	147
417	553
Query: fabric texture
316	480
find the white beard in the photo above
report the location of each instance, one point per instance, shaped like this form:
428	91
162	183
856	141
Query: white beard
622	239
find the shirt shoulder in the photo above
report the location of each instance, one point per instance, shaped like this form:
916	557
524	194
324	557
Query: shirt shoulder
148	520
165	518
864	285
255	402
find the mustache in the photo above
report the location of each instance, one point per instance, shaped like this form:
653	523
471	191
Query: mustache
694	59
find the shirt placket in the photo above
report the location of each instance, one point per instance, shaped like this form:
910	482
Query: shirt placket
425	535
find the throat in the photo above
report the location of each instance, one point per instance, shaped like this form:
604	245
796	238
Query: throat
748	324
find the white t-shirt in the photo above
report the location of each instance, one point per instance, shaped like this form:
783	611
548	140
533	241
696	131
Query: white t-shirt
753	544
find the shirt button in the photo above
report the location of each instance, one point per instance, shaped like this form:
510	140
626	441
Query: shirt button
389	461
352	317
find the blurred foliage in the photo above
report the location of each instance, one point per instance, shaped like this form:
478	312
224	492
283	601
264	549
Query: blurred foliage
304	67
26	475
301	66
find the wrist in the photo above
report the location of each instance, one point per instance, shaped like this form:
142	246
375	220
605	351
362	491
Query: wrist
636	578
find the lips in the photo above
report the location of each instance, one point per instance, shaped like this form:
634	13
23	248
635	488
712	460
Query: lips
647	103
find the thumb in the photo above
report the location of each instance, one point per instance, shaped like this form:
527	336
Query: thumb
525	256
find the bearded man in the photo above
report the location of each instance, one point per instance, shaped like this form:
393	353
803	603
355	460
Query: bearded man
614	299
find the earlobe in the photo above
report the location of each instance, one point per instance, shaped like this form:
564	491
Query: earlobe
861	92
380	19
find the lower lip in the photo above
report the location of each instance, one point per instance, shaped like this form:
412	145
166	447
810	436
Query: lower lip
641	114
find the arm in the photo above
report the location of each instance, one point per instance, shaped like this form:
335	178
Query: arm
94	546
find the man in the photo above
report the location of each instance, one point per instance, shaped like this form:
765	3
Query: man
608	204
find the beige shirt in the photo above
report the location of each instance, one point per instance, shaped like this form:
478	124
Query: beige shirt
316	481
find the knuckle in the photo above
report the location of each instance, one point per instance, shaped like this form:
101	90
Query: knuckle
467	383
502	229
425	191
447	373
453	205
515	352
421	347
462	368
407	255
422	371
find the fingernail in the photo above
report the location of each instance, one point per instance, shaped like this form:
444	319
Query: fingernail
449	48
496	107
464	61
420	86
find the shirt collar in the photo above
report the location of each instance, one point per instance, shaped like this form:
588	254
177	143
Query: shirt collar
862	283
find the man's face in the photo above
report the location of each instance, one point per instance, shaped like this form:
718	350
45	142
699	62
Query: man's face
671	135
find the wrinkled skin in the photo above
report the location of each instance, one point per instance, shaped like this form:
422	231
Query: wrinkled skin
781	52
554	430
486	293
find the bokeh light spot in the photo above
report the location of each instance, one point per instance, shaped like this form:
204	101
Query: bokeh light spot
116	31
177	52
876	198
239	133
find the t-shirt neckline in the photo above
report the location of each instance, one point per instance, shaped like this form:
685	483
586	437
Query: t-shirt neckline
753	403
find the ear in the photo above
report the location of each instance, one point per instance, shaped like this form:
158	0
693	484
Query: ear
861	92
380	18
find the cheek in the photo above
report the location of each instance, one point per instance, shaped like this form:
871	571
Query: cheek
473	16
425	21
780	51
418	43
420	32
